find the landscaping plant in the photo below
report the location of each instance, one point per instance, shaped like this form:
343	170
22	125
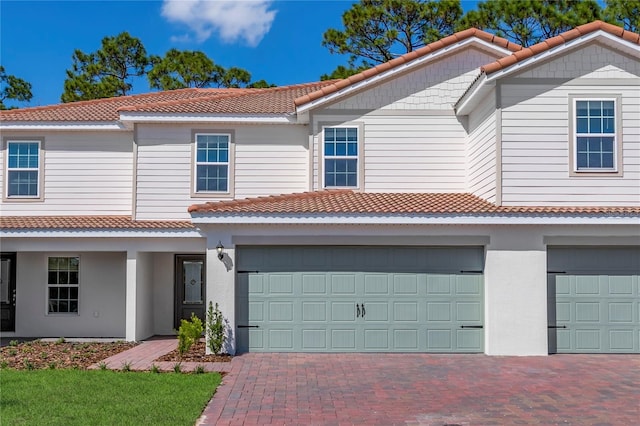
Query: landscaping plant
216	335
189	333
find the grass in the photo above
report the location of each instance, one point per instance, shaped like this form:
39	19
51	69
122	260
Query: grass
82	397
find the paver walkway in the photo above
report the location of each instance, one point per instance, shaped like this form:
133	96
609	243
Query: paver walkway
427	389
143	356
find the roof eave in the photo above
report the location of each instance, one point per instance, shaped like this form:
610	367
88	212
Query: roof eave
63	125
410	219
156	117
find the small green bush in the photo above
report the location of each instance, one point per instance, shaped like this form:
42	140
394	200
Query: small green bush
189	333
216	335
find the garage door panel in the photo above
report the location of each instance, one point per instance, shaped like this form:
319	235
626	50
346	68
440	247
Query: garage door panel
439	340
595	302
315	339
469	339
314	284
314	311
298	308
376	284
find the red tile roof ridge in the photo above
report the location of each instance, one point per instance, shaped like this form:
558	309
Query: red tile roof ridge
558	40
111	99
233	93
406	58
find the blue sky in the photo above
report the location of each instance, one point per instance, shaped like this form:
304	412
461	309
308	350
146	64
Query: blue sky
279	41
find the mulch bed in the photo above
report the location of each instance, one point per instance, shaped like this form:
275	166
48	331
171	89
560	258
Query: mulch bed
195	354
37	355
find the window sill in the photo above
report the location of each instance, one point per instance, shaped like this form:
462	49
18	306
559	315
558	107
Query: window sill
211	195
596	173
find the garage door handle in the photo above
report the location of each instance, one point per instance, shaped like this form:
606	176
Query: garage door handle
471	326
248	326
358	311
363	311
557	326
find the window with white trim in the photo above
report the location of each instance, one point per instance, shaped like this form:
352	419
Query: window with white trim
341	147
595	135
23	169
212	162
63	282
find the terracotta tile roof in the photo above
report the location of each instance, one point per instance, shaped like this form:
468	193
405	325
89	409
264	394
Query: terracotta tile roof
558	40
406	58
89	222
350	202
277	100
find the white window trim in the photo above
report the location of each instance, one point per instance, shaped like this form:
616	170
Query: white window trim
357	157
617	140
22	198
48	286
230	164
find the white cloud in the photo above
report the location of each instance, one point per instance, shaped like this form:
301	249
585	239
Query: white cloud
234	20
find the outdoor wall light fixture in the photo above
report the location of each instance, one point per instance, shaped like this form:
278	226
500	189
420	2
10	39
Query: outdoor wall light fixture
220	250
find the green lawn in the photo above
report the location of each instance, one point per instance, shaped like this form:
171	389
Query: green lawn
81	397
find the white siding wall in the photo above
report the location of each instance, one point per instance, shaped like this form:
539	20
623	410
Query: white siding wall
269	159
535	132
481	149
435	86
88	173
405	153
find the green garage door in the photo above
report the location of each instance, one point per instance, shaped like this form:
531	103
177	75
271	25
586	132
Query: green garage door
356	299
594	300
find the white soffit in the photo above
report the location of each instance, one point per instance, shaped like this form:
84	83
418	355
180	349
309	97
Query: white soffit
147	117
62	125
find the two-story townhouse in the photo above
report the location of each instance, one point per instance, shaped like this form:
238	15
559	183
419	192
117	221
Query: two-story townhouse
471	196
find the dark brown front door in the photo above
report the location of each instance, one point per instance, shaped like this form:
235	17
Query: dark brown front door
190	287
8	292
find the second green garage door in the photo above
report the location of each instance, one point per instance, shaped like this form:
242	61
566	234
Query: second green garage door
359	299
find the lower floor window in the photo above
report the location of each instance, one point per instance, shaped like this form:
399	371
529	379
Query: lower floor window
62	284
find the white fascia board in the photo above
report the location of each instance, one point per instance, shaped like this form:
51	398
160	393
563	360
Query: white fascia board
413	220
481	86
62	125
97	233
435	56
140	117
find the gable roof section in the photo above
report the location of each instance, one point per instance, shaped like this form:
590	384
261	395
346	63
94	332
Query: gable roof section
541	51
406	59
369	203
277	100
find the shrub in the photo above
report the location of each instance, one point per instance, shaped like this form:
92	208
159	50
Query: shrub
177	367
189	333
199	369
216	335
155	369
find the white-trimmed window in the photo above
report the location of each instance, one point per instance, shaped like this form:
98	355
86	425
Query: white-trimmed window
595	144
23	169
63	283
341	163
212	162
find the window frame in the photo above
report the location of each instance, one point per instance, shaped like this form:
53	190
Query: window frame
617	139
49	286
358	157
7	141
229	193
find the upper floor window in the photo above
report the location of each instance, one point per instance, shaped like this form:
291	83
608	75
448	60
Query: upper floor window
212	162
341	147
595	135
23	169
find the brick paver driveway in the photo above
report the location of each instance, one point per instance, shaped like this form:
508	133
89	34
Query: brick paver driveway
386	389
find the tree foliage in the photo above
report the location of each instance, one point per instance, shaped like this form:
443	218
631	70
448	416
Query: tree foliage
527	22
183	68
625	13
375	31
13	88
106	72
